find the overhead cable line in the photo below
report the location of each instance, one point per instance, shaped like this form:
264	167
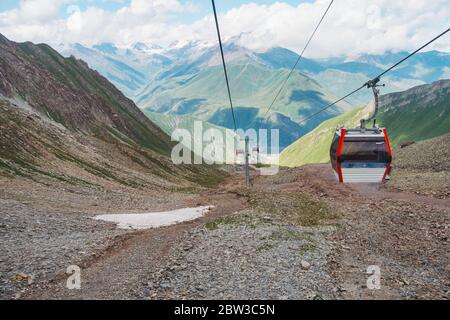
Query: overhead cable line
332	104
298	59
413	53
376	79
224	65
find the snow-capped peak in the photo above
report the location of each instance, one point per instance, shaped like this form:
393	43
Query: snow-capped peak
106	47
140	46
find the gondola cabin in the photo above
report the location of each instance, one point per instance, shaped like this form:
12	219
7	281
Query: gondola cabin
361	155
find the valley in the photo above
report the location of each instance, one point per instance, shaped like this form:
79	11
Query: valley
186	78
71	141
73	147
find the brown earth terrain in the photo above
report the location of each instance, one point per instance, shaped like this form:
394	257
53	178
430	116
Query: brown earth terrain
295	235
423	168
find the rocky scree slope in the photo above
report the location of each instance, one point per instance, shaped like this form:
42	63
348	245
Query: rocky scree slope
423	167
61	120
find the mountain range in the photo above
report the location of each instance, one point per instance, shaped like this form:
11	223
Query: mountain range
186	78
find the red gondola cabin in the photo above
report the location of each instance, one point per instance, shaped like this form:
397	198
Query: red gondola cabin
361	155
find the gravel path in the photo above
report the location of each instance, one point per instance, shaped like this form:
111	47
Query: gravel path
246	256
119	272
46	228
37	243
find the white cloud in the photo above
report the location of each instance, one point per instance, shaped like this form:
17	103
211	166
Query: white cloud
352	27
446	73
421	70
39	9
32	11
145	7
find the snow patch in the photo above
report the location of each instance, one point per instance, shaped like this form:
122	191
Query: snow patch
18	102
154	219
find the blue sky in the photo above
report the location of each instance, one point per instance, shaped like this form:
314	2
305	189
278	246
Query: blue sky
204	6
225	5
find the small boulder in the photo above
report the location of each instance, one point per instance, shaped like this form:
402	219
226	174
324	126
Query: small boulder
305	265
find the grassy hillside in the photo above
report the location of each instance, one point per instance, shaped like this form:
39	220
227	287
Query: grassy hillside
314	147
64	122
72	94
253	85
419	113
168	123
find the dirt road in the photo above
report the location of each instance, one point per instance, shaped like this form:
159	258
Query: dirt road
298	234
405	234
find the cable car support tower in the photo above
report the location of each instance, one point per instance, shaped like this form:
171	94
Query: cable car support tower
372	84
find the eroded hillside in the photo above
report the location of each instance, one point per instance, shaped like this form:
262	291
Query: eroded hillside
416	114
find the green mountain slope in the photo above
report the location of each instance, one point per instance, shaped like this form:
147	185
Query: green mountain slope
63	122
419	113
314	147
168	123
72	94
253	85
